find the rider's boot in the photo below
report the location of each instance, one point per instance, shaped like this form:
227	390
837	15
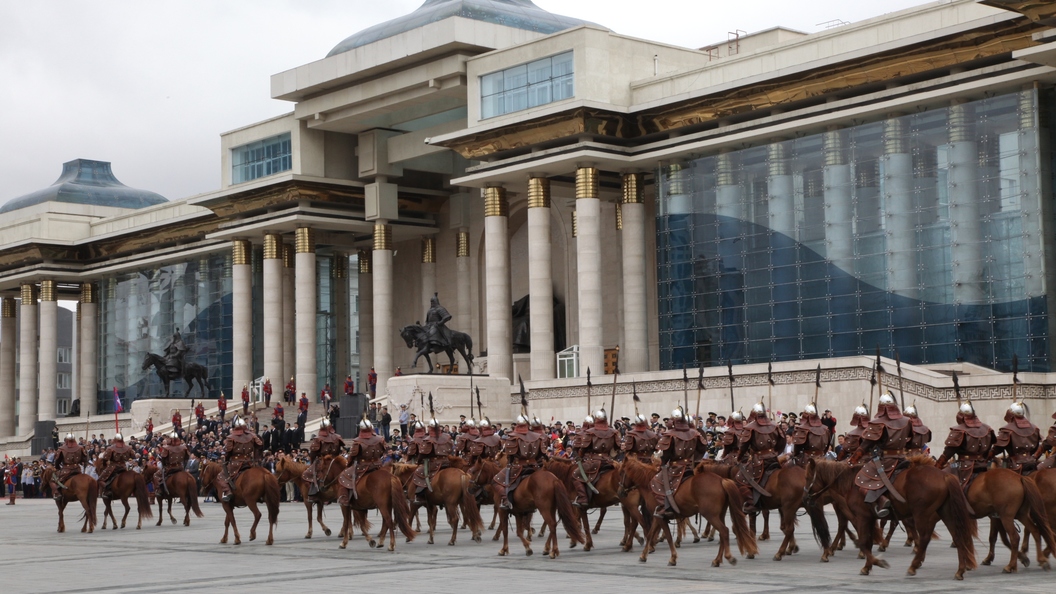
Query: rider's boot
419	497
581	494
751	503
882	507
57	493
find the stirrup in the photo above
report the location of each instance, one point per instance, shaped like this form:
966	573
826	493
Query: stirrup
226	498
882	511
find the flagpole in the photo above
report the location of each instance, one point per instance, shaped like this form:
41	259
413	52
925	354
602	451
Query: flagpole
117	409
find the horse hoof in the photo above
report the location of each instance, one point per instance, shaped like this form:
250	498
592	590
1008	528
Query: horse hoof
958	576
696	539
527	552
572	545
861	555
642	559
881	549
1045	565
864	571
326	532
985	562
911	571
503	553
477	539
751	556
715	564
777	557
1008	569
672	563
238	542
883	564
732	560
270	541
430	541
159	523
408	540
824	559
594	531
587	548
342	546
451	544
795	549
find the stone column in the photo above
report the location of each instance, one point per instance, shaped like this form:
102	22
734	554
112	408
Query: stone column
89	363
49	344
634	352
242	315
27	367
339	276
966	249
273	310
540	280
7	366
499	309
289	328
463	317
366	318
588	258
428	273
839	211
897	190
381	264
305	313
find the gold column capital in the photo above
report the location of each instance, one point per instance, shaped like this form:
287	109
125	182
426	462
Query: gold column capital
633	188
538	192
47	290
304	241
339	267
364	261
382	236
619	216
272	246
29	294
495	203
462	244
428	250
587	183
7	307
676	179
240	251
87	293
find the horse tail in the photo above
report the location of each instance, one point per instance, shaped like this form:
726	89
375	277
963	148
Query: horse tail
567	513
958	519
271	498
1036	508
142	499
401	509
470	511
93	500
192	496
746	542
818	524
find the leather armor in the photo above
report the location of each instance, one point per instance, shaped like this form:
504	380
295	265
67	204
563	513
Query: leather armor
1019	439
174	457
762	439
681	446
242	450
116	457
810	438
887	436
640	443
432	451
971	441
365	452
329	444
524	449
68	460
485	447
919	437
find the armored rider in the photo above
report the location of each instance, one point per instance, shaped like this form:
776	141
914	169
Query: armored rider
173	456
811	438
971	441
1047	445
593	452
365	453
761	444
174	352
853	439
884	441
431	453
326	443
1019	439
486	446
920	436
680	446
436	330
69	459
116	458
524	450
467	433
640	441
731	438
242	450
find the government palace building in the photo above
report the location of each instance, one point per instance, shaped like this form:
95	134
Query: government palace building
770	213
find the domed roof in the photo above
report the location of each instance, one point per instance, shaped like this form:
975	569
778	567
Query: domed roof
520	14
87	182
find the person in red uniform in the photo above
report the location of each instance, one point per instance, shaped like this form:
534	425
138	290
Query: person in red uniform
242	450
920	436
811	437
971	441
173	456
291	392
680	446
150	428
267	389
372	382
1047	445
431	453
177	422
302	406
325	396
221	403
761	443
245	400
199	413
640	441
593	452
350	386
884	440
1019	439
365	453
68	461
524	450
116	457
326	443
278	414
853	439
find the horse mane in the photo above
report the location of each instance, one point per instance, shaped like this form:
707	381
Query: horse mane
723	470
920	460
562	468
639	472
399	468
830	471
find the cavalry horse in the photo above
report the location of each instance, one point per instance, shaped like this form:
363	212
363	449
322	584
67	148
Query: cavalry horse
704	493
930	495
1005	496
124	485
286	470
450	491
482	474
416	337
192	372
79	487
608	493
379	490
542	491
252	486
177	485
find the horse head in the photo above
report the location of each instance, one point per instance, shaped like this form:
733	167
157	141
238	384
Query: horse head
149	360
208	475
410	334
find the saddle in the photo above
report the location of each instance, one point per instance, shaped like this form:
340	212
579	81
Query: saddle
517	473
593	468
435	465
676	475
868	477
756	471
966	472
356	471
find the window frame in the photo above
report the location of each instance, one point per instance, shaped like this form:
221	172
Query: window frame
502	91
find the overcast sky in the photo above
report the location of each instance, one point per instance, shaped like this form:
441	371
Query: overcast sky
150	85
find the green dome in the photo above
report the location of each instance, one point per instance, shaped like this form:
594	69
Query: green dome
87	182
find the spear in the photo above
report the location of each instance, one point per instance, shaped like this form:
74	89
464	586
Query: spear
524	397
588	391
879	370
700	387
898	365
1015	375
479	413
770	386
86	423
432	414
729	368
634	396
470	394
817	384
872	386
685	388
612	401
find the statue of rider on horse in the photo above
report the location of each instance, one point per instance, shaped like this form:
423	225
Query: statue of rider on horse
436	337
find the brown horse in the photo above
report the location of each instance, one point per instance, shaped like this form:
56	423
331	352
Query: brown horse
1045	479
542	491
450	490
1005	496
930	495
252	486
177	485
287	469
608	487
79	487
126	484
705	493
378	490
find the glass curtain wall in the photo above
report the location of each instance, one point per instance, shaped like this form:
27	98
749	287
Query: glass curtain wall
922	234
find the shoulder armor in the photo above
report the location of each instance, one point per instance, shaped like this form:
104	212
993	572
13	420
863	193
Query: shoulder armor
873	432
1004	437
955	438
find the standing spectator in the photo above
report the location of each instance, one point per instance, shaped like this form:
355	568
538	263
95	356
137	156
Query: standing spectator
150	428
278	416
335	413
372	416
829	421
9	482
302	414
245	400
398	373
267	389
405	416
290	393
55	436
386	420
290	439
28	483
372	383
221	402
326	396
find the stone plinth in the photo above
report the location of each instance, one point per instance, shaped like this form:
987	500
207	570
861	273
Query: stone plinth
160	409
451	397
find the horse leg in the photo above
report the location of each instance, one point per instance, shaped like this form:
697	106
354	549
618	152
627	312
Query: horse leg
62	521
497	513
601	516
161	510
923	526
1013	537
504	530
716	521
589	541
451	508
346	525
319	518
230	510
128	508
251	503
308	506
766	525
430	517
670	543
993	542
788	527
650	537
523	528
186	511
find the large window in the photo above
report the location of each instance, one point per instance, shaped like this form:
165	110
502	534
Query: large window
262	158
63	355
528	85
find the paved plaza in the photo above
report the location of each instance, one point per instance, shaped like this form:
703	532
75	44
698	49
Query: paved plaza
174	559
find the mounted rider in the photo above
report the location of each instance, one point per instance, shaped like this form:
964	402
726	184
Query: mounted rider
731	438
1047	445
593	449
524	451
436	319
365	453
640	441
173	456
853	439
69	459
467	433
326	443
761	443
242	450
971	440
174	352
485	447
1019	439
116	458
431	453
680	446
921	435
811	438
885	441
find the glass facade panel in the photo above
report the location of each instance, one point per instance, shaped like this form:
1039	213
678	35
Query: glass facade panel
262	158
921	234
527	85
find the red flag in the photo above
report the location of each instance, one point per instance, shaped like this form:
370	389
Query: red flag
117	402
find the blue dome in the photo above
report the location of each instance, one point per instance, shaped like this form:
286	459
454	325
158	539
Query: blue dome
520	14
87	182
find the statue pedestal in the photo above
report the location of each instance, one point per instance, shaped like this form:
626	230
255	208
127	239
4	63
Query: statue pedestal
159	409
451	397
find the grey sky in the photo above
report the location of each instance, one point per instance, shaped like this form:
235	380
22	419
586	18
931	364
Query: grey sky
150	86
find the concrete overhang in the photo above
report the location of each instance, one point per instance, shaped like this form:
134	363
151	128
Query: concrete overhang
332	227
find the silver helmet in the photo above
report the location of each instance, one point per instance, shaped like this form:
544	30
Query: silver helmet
967	408
678	415
433	423
70	437
639	418
599	415
485	423
759	408
470	423
418	425
175	434
366	424
910	411
325	423
521	420
1018	409
810	409
118	437
887	399
588	420
861	411
737	416
536	422
239	422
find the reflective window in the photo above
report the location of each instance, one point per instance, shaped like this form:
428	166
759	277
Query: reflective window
921	234
62	381
262	158
528	85
63	355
